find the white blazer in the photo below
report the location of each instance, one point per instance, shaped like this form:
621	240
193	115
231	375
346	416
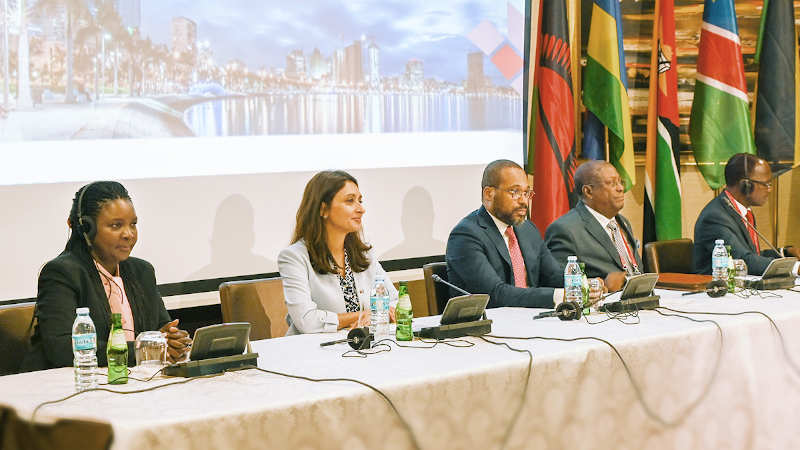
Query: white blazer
315	299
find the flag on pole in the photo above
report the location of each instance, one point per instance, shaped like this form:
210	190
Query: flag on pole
662	204
776	130
719	126
553	135
605	86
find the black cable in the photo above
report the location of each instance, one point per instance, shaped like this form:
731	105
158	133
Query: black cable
620	317
637	390
517	413
351	380
385	347
137	391
789	359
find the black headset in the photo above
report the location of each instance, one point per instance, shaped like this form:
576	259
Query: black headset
86	225
745	184
569	311
717	288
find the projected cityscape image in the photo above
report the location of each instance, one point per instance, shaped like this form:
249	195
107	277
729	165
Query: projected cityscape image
139	68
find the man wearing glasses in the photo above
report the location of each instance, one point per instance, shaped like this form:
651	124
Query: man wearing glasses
495	250
594	230
748	182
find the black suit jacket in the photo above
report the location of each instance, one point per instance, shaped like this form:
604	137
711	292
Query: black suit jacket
579	233
69	282
479	262
718	220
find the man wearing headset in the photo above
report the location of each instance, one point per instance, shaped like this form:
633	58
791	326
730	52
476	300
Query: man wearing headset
748	182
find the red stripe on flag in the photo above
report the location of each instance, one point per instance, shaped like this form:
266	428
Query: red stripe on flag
721	59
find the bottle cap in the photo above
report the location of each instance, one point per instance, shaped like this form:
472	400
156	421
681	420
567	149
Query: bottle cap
84	311
572	258
719	242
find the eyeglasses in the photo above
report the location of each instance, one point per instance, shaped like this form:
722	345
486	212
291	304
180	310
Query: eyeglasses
766	184
516	194
609	183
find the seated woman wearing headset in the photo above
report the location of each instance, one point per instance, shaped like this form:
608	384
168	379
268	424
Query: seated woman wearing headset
328	268
95	270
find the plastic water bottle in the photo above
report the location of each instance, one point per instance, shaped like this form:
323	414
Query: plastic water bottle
84	349
573	281
719	261
379	310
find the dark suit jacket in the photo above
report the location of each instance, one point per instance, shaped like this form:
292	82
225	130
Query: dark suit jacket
68	282
718	220
478	261
579	233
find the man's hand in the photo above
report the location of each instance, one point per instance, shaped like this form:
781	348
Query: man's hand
615	281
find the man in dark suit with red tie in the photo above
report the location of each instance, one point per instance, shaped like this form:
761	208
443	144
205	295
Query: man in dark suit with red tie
495	250
748	182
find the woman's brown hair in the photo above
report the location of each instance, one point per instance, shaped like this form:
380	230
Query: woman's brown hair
311	228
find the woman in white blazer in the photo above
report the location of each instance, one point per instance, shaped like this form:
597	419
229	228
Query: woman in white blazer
328	269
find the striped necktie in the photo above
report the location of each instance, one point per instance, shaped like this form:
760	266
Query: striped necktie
624	256
517	262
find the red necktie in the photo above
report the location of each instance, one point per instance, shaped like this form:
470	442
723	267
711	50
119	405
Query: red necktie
752	230
517	263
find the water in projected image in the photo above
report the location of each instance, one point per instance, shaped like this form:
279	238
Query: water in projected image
353	113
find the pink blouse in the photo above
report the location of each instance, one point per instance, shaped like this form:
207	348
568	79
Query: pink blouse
117	299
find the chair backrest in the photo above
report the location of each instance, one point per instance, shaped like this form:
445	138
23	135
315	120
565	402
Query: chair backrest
669	256
419	297
259	302
15	333
438	293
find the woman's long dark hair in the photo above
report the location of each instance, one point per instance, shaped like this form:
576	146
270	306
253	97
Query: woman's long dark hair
95	196
311	228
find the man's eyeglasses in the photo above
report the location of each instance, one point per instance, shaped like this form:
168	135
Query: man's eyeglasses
516	194
766	184
614	182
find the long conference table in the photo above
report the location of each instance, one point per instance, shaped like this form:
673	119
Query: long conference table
736	390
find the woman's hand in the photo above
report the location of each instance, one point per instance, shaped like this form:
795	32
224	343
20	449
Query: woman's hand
178	342
392	315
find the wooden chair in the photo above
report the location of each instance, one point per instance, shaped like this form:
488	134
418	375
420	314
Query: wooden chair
438	294
259	302
669	256
15	332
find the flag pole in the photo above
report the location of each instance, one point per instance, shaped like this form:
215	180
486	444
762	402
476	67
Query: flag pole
652	110
574	22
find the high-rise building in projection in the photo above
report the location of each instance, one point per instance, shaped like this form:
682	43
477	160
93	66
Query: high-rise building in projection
374	65
295	64
475	76
353	65
317	65
130	11
337	66
184	35
415	74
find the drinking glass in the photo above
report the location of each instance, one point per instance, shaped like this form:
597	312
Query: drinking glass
740	269
151	351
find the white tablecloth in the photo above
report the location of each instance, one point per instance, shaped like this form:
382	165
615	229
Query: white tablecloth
579	395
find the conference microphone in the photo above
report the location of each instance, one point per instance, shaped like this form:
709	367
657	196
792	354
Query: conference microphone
439	279
358	338
751	226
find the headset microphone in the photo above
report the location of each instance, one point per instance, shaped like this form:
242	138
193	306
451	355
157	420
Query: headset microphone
358	338
564	311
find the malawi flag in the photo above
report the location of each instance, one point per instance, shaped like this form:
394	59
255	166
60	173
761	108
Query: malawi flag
776	131
719	126
605	87
662	204
553	135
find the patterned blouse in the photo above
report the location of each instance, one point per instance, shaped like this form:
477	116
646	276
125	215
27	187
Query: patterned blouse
348	285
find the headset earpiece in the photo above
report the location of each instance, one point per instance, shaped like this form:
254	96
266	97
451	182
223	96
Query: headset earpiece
569	311
717	288
86	224
745	186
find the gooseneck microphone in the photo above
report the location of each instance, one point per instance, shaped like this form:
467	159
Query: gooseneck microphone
358	338
439	279
752	227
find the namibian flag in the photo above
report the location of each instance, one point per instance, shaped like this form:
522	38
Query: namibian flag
778	102
662	203
554	133
719	126
605	86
